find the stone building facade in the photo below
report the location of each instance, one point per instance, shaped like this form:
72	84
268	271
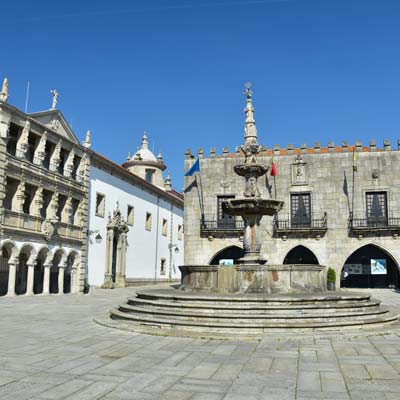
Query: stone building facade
342	209
43	202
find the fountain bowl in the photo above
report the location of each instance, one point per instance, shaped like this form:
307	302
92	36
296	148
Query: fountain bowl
253	169
251	206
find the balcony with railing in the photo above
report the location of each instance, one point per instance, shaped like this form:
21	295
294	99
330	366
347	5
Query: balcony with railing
304	226
211	226
26	223
362	223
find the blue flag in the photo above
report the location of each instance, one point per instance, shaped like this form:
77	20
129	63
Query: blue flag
194	168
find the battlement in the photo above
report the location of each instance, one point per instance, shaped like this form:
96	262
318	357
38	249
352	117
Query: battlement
303	149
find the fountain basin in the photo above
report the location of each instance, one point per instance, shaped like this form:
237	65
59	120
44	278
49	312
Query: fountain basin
294	278
251	206
252	169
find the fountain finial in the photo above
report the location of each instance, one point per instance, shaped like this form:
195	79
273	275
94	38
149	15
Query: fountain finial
251	146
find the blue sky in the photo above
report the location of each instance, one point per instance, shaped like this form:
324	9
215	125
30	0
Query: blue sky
321	70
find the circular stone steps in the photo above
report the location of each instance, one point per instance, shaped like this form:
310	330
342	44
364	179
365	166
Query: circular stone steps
172	312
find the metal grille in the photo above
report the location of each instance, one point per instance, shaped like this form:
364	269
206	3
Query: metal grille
300	209
376	208
224	220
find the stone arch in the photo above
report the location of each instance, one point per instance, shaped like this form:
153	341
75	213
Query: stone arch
71	270
300	254
11	246
42	259
8	250
358	273
26	256
230	253
59	258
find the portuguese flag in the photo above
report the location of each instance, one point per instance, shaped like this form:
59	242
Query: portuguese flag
274	170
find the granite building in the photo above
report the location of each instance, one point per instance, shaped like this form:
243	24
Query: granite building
341	210
43	202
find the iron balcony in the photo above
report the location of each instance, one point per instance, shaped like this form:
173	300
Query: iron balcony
304	226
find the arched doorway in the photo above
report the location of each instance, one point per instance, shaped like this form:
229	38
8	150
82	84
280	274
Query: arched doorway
4	270
370	267
300	255
38	275
229	253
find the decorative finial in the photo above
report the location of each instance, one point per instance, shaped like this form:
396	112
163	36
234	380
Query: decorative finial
4	91
87	142
55	98
128	157
145	142
248	91
159	157
167	183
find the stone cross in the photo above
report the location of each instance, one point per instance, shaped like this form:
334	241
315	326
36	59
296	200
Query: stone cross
55	98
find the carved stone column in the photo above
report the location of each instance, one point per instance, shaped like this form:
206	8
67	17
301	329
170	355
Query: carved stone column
19	198
67	211
75	278
61	269
40	152
69	164
52	207
12	272
46	279
37	202
80	172
121	258
55	158
23	141
108	280
31	270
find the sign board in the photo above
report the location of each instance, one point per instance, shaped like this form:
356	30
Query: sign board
378	267
226	262
353	269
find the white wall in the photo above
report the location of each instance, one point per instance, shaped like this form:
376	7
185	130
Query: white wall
143	258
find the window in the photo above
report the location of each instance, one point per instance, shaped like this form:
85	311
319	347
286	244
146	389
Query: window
376	208
224	220
300	205
149	175
180	232
130	215
164	227
163	266
148	222
100	204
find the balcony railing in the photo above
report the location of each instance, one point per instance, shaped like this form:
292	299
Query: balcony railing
212	226
376	223
31	224
305	225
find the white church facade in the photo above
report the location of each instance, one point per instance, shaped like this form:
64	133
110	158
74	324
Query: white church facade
135	222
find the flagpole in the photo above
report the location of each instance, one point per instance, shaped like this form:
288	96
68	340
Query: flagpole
200	196
354	184
275	186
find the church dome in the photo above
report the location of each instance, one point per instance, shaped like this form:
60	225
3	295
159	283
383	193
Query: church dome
146	165
143	153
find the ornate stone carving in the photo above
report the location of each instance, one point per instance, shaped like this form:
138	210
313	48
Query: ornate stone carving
55	158
69	164
87	142
4	91
299	176
80	172
40	152
54	124
23	141
55	98
37	202
49	229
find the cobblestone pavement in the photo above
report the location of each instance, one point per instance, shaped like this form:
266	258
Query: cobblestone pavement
52	349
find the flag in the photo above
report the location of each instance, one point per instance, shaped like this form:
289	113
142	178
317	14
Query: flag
345	185
354	160
194	168
274	170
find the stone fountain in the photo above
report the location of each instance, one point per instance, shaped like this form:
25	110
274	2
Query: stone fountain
252	274
252	298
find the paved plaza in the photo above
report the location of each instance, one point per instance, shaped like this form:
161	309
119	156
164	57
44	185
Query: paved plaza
52	349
